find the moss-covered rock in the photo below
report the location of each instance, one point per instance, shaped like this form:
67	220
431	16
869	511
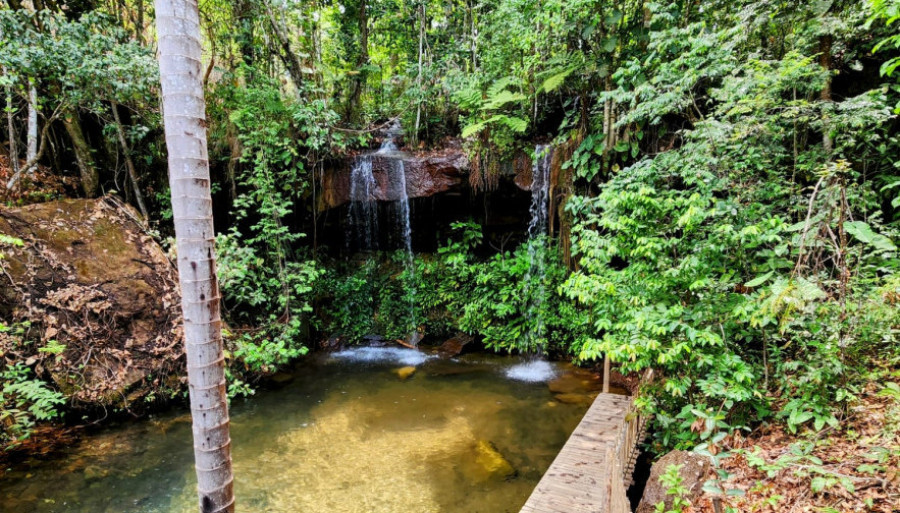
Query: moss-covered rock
491	465
90	278
405	373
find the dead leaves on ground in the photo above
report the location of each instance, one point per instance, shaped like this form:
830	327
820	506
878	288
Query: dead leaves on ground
852	468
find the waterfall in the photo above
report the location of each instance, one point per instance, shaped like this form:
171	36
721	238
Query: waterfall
362	217
362	221
361	233
536	290
398	183
536	369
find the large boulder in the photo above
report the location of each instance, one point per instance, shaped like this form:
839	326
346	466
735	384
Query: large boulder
694	470
90	278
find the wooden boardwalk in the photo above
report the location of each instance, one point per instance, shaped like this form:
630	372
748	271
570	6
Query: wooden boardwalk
592	470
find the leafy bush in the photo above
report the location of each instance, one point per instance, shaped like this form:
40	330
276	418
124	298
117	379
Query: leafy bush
745	263
24	399
493	298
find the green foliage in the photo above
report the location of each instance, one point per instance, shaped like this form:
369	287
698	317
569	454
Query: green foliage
453	291
492	117
349	302
6	240
742	263
81	63
264	281
889	12
730	181
803	463
24	399
672	480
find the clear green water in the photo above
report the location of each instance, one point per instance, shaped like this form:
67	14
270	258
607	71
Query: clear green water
346	435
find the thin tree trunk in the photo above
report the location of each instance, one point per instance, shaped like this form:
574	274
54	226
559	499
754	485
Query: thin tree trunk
90	177
421	13
139	28
825	62
32	124
288	57
129	164
11	126
359	81
184	120
30	164
474	37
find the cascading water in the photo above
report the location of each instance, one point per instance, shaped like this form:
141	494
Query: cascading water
362	225
537	244
398	183
537	369
362	222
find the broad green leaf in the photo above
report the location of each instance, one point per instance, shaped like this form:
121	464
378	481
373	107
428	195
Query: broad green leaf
759	280
863	233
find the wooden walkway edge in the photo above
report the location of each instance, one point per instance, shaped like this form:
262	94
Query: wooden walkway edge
591	472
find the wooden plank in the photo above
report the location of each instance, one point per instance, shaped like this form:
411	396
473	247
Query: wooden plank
578	480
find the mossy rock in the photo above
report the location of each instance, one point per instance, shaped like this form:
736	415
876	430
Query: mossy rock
491	465
405	373
89	277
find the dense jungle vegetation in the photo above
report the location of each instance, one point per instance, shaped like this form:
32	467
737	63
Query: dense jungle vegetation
724	201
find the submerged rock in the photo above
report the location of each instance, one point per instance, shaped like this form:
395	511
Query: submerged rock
90	278
575	381
491	464
93	472
405	373
693	474
282	378
575	398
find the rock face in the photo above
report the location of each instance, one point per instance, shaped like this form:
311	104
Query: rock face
427	174
693	472
90	279
454	346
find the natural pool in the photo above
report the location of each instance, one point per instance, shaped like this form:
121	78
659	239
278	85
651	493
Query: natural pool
349	433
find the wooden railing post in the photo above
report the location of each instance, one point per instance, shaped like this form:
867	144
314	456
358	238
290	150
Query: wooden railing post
606	373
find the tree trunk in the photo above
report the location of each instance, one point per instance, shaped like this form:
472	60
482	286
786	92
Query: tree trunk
421	13
362	60
30	164
287	55
129	164
243	18
90	177
139	25
32	150
184	120
474	37
11	126
825	62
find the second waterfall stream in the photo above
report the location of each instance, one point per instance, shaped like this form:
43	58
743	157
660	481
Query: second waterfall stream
536	369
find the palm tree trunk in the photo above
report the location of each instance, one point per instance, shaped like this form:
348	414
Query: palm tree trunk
184	119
